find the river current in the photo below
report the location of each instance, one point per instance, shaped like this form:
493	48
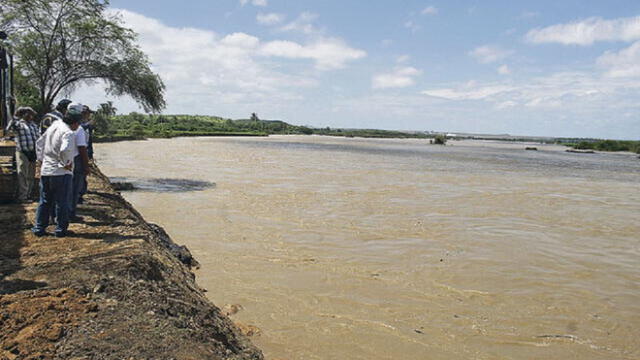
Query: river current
347	248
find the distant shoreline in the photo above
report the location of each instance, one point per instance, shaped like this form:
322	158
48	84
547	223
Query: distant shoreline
586	147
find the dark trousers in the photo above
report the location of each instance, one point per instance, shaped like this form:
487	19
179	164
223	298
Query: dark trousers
54	196
79	181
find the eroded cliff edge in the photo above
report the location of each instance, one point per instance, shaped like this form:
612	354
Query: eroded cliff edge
117	288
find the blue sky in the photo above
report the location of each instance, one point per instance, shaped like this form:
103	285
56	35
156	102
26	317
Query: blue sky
557	68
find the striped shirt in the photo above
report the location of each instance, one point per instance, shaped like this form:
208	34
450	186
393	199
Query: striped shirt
26	134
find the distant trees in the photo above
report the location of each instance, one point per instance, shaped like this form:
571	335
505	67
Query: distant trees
59	44
102	118
609	145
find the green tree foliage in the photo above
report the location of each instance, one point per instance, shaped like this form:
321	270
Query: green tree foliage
60	44
609	145
103	119
26	92
135	125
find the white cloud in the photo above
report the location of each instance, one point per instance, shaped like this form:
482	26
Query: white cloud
411	25
403	58
329	54
625	63
270	19
429	10
303	24
582	90
587	31
488	53
205	71
261	3
401	77
504	70
469	92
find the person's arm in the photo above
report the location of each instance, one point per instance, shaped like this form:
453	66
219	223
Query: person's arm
11	125
81	142
66	150
40	148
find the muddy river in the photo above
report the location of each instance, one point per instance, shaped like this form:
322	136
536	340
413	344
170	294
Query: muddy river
395	249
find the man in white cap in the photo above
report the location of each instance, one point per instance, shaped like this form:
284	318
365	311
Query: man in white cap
55	149
27	133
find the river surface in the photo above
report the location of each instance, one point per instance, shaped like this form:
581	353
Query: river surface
342	248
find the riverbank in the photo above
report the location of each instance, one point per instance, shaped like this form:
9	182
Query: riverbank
117	288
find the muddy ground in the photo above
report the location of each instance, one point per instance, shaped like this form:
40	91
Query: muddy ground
117	288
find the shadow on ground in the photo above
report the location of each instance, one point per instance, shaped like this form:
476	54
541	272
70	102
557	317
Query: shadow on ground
13	222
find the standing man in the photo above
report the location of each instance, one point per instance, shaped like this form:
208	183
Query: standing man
57	114
80	161
55	149
27	133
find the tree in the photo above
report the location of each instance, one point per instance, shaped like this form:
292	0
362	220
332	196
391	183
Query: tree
60	44
103	118
25	92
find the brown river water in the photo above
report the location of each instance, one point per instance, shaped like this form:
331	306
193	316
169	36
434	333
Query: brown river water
341	248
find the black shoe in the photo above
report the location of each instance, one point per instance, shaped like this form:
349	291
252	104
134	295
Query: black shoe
39	233
64	234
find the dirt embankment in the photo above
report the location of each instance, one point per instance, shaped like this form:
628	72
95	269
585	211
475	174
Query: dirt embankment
117	288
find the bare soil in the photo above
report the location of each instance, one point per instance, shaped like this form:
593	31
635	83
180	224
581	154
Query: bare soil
117	288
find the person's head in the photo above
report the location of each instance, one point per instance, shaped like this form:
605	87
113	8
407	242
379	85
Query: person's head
86	113
73	117
62	106
25	112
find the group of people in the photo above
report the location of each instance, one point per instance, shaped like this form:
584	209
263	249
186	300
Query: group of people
62	146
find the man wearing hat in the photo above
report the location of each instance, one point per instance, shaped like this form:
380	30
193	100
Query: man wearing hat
57	114
55	149
80	161
27	133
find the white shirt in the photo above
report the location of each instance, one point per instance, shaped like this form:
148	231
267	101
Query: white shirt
55	149
81	140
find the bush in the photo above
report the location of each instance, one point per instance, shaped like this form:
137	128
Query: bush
440	140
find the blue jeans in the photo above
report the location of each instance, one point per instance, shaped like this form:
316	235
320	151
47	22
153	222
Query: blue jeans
54	192
79	180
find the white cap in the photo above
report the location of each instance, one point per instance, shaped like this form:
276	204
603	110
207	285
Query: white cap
75	108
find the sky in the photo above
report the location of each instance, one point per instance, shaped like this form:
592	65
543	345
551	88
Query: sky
546	68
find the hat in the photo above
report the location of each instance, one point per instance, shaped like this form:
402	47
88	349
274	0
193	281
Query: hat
62	105
75	109
72	117
23	110
64	102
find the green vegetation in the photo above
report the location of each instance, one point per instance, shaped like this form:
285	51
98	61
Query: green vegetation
607	145
440	140
60	44
136	126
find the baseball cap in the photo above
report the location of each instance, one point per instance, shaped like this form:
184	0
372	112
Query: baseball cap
75	109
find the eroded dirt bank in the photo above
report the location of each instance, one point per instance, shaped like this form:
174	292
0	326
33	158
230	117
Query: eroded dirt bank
117	288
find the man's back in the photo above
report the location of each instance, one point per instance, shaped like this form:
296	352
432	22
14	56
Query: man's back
56	149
